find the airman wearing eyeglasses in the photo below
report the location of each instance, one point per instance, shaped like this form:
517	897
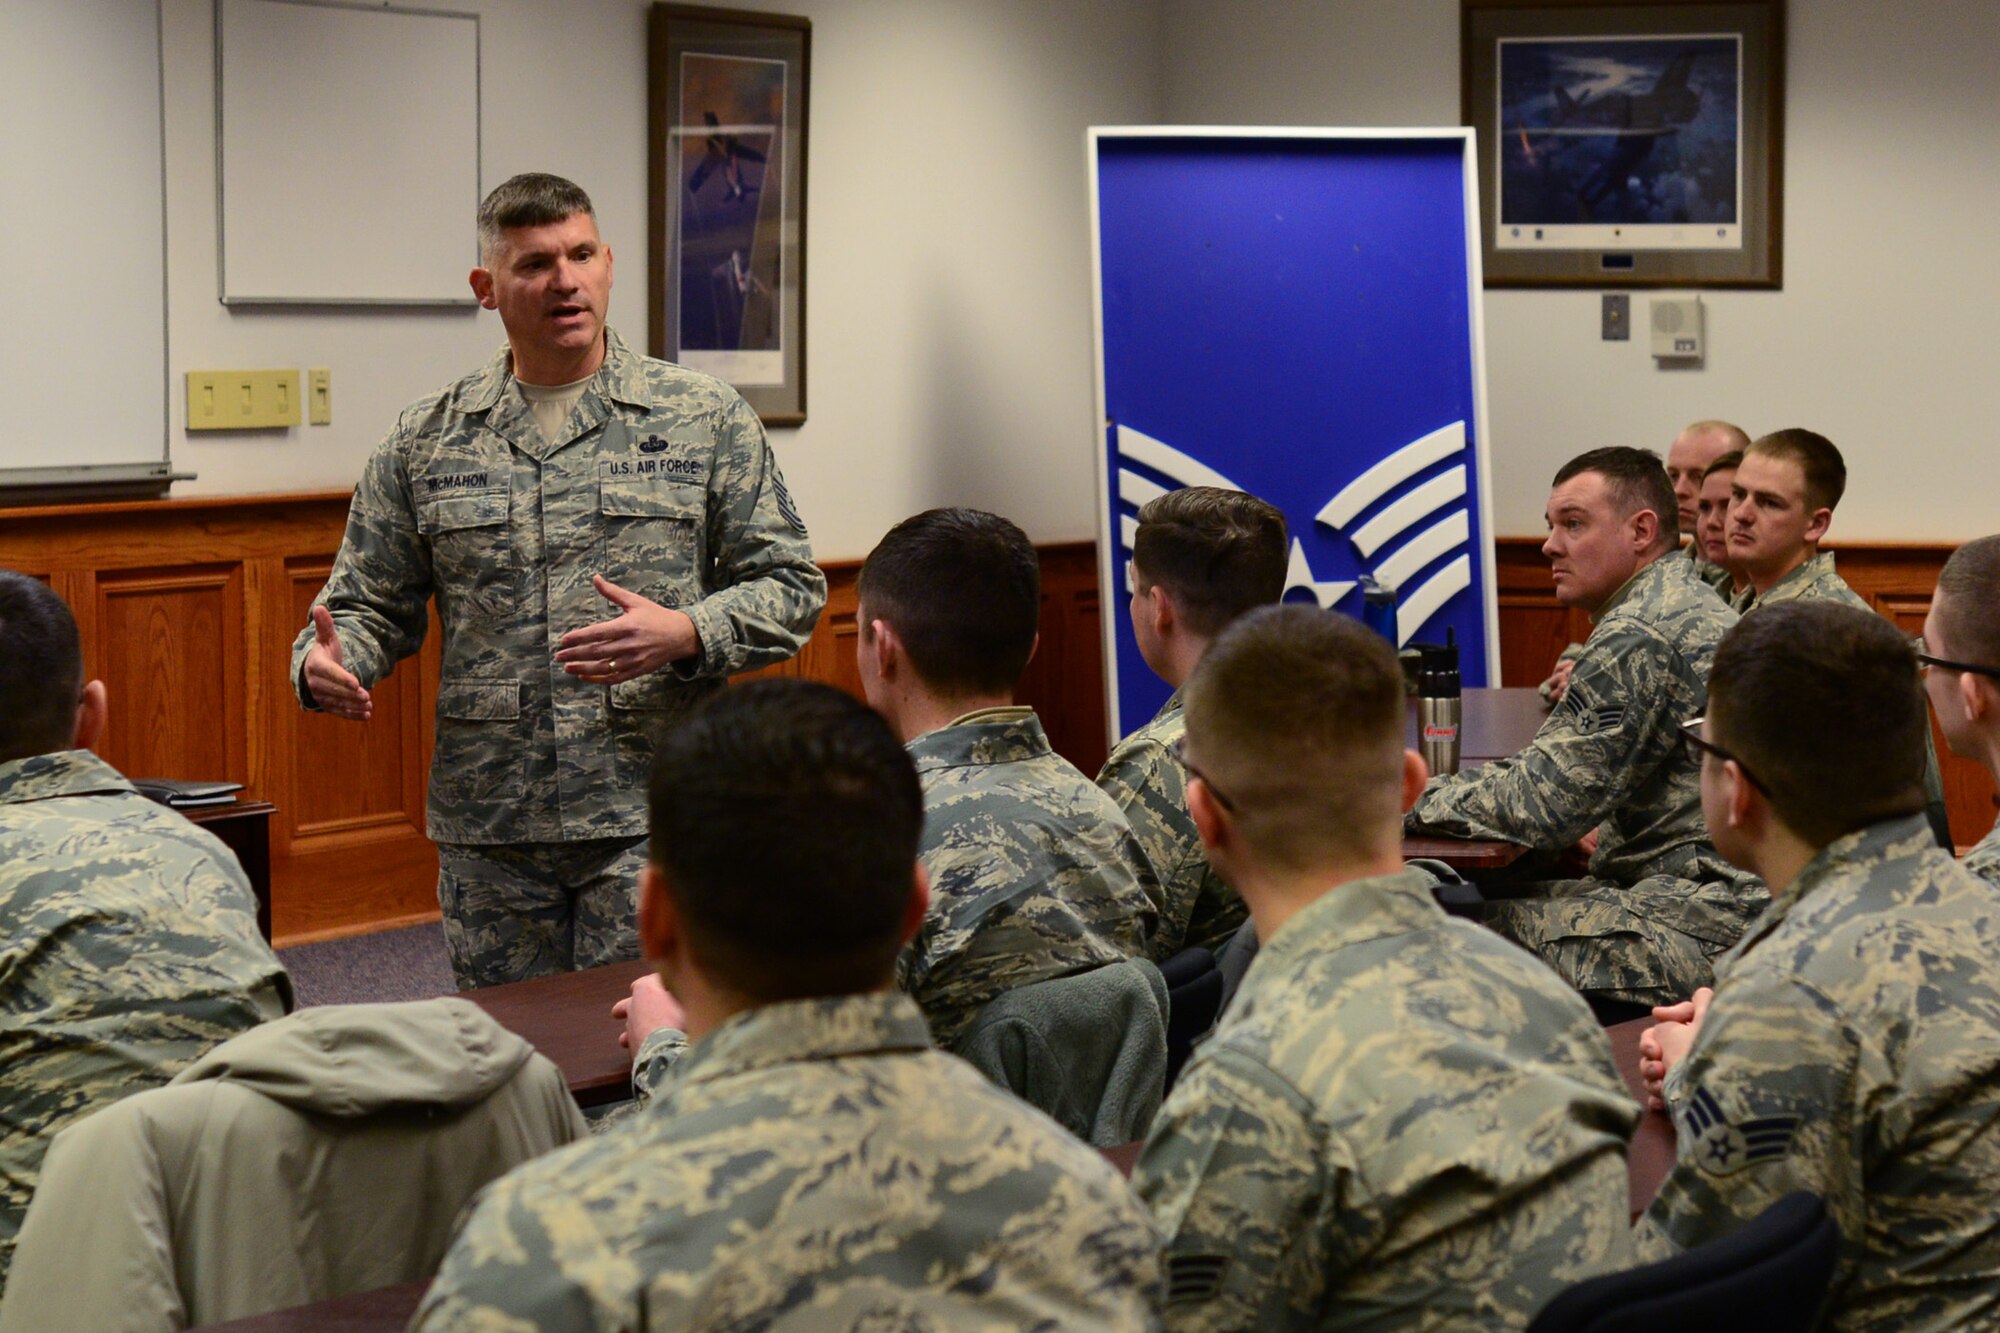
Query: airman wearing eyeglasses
1402	1121
1851	1045
1960	654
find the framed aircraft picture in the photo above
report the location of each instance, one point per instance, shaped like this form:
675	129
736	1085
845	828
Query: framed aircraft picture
727	145
1627	144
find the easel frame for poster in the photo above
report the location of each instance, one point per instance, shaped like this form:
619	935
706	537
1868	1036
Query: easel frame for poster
1110	570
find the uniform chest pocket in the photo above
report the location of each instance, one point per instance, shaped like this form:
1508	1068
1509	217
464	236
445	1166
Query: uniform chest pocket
468	535
438	514
653	537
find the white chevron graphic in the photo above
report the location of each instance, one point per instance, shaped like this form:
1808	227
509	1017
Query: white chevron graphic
1399	518
1421	605
1165	458
1135	490
1392	472
1445	534
1413	508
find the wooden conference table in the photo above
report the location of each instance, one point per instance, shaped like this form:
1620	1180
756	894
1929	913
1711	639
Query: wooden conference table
1494	724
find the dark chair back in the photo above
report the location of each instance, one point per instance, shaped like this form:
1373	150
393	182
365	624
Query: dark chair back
1770	1276
1194	998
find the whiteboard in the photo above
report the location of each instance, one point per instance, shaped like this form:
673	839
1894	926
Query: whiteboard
83	349
347	153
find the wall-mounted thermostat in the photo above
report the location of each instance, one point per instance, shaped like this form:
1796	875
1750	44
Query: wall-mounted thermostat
1677	329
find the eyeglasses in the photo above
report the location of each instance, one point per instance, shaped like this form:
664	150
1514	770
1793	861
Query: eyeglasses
1180	753
1925	661
1691	735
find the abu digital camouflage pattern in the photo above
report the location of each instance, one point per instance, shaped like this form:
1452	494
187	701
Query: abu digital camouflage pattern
1818	581
810	1165
1853	1050
1149	783
661	481
128	947
516	910
1984	859
1661	901
1034	873
1402	1121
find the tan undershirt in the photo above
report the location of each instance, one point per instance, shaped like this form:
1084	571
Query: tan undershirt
552	403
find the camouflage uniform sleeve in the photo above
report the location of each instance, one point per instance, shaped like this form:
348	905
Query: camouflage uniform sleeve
1984	859
1151	790
503	1273
381	579
1238	1173
768	592
1568	654
657	1055
1763	1104
1599	746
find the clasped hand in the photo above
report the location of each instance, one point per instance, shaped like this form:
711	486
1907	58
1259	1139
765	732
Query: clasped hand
643	637
1663	1045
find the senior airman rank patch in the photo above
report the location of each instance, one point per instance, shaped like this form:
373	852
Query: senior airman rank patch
1721	1148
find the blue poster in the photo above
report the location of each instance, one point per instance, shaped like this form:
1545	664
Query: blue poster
1295	316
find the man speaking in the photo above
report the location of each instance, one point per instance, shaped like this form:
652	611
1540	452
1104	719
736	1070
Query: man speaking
608	538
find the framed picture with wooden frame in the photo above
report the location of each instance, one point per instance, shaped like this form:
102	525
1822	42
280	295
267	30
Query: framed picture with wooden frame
1627	143
727	173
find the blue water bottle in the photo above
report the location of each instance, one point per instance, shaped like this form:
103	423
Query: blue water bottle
1378	608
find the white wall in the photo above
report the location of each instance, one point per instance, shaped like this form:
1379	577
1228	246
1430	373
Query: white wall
1883	337
948	319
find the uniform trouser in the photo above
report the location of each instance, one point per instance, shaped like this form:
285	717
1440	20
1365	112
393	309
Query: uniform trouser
527	909
1589	933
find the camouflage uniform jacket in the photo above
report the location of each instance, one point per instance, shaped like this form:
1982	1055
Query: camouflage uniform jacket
1814	581
1403	1121
661	481
810	1165
128	947
1034	872
1853	1049
1147	780
1611	754
1714	575
1984	858
1818	581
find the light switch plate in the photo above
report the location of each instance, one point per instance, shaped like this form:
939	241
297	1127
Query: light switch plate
242	399
319	396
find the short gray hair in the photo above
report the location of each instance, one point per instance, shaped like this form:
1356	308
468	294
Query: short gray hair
531	199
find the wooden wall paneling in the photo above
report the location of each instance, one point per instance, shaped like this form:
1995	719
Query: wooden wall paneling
170	644
349	845
1534	626
1065	679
